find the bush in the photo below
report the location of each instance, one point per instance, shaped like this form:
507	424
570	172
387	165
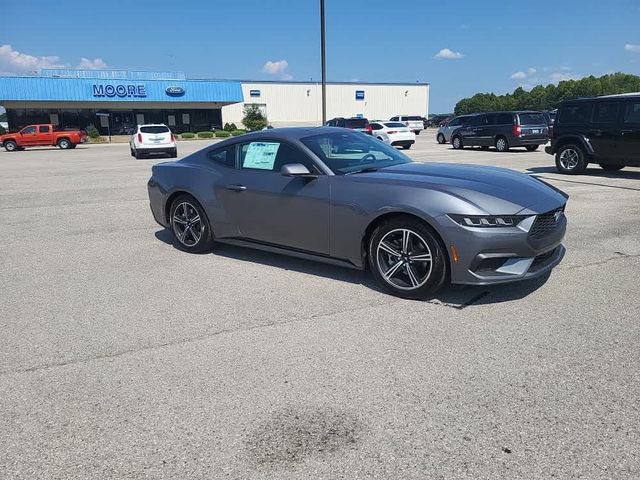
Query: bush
92	131
187	135
254	119
205	134
235	133
230	127
223	134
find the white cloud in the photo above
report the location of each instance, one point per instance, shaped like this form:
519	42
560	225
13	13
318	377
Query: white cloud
448	54
556	77
519	76
531	71
632	47
95	64
275	68
12	61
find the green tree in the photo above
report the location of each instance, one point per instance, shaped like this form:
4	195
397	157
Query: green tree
548	97
254	119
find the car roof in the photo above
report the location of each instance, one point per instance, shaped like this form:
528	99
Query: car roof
603	97
153	125
285	133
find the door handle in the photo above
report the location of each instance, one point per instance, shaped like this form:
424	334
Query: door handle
236	188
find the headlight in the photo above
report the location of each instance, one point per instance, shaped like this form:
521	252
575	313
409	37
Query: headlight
488	221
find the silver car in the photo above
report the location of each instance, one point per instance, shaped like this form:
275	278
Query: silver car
345	198
444	132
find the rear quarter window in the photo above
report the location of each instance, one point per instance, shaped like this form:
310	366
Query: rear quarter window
575	114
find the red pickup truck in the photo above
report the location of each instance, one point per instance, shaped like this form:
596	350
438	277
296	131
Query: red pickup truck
41	136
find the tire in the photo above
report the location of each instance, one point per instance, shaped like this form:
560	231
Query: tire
173	154
418	276
570	160
73	145
64	144
532	148
501	144
441	140
10	146
132	153
190	235
138	155
406	147
417	132
456	143
611	168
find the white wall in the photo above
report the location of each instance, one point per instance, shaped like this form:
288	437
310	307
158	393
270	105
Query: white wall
300	103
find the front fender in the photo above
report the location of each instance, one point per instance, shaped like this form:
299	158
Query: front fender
581	140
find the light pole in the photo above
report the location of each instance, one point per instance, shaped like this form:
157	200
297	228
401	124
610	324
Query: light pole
324	65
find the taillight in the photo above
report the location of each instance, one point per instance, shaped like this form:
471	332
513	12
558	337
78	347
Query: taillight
139	138
368	129
517	130
391	132
172	137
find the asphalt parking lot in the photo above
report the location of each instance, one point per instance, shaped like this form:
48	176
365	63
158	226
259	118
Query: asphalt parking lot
123	357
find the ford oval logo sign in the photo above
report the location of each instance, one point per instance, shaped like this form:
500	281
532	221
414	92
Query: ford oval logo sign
175	91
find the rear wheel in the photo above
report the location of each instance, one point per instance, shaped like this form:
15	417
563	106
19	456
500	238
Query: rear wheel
64	143
532	148
138	154
441	139
417	132
611	168
406	147
407	258
501	144
570	160
132	152
189	225
10	146
456	142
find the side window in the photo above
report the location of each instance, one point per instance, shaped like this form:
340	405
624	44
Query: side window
491	119
272	156
376	126
44	129
478	120
575	114
504	119
28	131
632	112
605	112
455	122
394	119
223	157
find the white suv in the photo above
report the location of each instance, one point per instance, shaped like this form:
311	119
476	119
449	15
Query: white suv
414	122
152	139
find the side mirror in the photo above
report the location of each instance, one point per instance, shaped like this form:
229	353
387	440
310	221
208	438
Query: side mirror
296	170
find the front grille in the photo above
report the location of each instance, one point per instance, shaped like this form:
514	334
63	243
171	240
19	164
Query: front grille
543	257
544	223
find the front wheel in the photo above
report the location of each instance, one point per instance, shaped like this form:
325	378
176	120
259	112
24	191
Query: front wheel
407	259
570	160
406	147
10	146
189	225
532	148
611	168
456	143
64	144
441	139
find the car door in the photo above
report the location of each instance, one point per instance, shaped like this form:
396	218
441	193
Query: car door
45	135
604	131
471	133
450	127
629	140
268	207
28	136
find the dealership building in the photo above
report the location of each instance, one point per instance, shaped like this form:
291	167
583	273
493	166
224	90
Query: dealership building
117	100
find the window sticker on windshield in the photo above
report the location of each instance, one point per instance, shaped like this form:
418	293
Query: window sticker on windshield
261	155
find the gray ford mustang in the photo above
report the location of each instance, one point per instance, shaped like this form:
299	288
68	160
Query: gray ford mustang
345	198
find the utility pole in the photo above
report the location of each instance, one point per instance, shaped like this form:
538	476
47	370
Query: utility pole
324	65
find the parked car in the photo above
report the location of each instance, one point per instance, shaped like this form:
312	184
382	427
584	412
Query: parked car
414	122
603	130
503	130
153	139
359	124
397	133
336	196
445	131
42	135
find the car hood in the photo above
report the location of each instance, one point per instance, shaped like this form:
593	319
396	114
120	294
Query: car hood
493	190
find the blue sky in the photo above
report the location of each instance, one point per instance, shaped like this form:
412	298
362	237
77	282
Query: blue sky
460	47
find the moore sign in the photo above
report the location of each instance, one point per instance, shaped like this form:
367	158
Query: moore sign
119	90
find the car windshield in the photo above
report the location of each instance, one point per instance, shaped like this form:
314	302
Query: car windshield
532	119
395	125
154	129
351	152
355	122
